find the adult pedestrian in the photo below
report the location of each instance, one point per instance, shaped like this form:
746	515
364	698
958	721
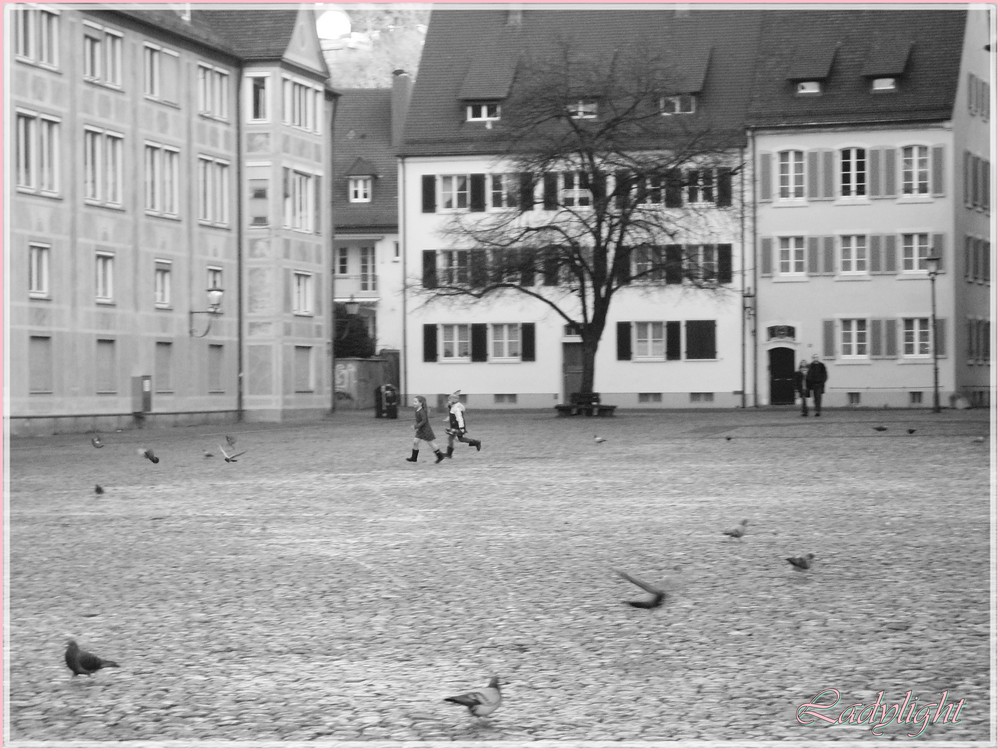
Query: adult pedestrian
800	386
457	427
422	430
815	382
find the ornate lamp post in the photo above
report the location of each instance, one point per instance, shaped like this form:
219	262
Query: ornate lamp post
214	309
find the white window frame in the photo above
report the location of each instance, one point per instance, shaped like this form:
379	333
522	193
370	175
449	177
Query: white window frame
915	171
582	109
37	152
265	99
703	262
299	212
367	279
699	188
504	191
213	91
104	286
162	167
36	35
885	83
853	172
455	266
791	175
213	191
505	342
359	189
482	112
301	104
153	72
458	337
454	192
679	104
650	341
854	338
39	262
343	260
792	255
103	167
162	275
571	190
853	255
102	55
302	293
914	248
917	338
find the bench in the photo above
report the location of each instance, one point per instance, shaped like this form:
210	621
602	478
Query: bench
587	404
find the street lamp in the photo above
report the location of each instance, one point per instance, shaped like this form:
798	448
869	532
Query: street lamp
214	309
933	269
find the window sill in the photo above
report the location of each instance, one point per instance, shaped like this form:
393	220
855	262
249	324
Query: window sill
852	201
38	64
915	360
790	203
915	276
107	303
915	199
164	102
300	314
854	361
38	192
454	360
103	205
790	278
105	85
39	296
206	223
214	118
852	278
505	360
163	306
160	215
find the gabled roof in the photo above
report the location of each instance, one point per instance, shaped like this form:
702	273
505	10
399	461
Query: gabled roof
362	135
922	47
475	49
812	62
165	20
255	34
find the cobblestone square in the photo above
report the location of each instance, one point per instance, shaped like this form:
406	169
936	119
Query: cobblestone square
323	591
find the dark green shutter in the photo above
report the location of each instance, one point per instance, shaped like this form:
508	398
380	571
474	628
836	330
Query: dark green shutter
829	342
430	269
829	256
674	187
890	173
624	340
551	269
624	259
479	348
937	245
812	174
527	266
725	251
939	337
427	185
550	184
430	342
937	170
673	340
674	270
890	337
766	262
889	254
477	192
725	183
527	192
812	255
479	269
765	178
700	340
528	342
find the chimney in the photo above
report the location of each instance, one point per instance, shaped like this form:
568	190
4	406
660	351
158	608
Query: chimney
402	87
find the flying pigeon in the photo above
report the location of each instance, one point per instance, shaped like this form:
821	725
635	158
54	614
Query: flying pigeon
231	440
738	532
654	602
82	662
148	453
480	703
911	431
880	428
97	442
801	563
98	490
230	457
599	439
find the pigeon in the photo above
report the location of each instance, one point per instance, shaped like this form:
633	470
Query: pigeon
98	490
82	662
148	453
97	442
599	439
979	439
729	438
738	532
657	594
880	428
480	703
911	431
207	454
230	457
801	563
231	440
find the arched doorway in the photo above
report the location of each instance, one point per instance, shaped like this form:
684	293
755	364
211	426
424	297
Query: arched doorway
781	366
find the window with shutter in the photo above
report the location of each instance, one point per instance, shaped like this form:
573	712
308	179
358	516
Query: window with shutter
624	337
430	269
428	194
430	342
673	340
528	342
699	338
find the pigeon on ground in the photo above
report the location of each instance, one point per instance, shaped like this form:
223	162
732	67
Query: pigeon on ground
911	431
801	563
657	594
98	490
148	453
82	662
480	703
880	428
230	457
599	439
97	442
231	440
207	454
729	438
979	439
738	532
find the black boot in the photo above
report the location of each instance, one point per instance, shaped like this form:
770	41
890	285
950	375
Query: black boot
478	445
440	456
413	455
451	450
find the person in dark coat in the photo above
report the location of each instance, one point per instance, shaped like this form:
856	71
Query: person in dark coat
422	430
457	427
800	386
815	382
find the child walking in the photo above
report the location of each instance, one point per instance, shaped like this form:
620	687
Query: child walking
457	427
422	430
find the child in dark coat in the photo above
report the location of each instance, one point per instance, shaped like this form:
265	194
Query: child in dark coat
422	430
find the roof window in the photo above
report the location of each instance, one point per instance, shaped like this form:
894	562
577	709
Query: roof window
884	84
807	88
582	109
480	112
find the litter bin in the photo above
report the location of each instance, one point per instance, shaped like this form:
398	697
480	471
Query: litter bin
387	401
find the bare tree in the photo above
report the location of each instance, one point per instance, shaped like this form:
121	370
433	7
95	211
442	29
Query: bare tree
624	172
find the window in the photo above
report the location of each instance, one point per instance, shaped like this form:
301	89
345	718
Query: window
40	365
702	262
792	256
161	73
259	202
213	91
853	173
102	55
649	263
301	200
916	171
257	99
684	104
213	190
582	109
455	266
38	270
884	84
302	300
37	153
506	340
455	341
916	248
482	111
854	337
916	337
301	105
504	191
701	186
161	284
791	175
163	367
36	36
106	367
303	369
575	188
454	192
105	284
808	88
102	167
650	340
368	280
853	254
359	189
162	179
342	256
216	361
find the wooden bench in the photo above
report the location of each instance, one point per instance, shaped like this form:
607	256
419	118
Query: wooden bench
587	404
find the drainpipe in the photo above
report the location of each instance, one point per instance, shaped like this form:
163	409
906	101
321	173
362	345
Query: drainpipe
333	269
743	274
753	245
401	182
239	245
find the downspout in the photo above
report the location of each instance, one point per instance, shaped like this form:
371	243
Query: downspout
401	182
239	245
743	275
333	270
753	245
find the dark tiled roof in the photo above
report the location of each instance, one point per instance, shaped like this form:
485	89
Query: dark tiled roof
460	40
254	33
866	38
363	132
196	30
812	62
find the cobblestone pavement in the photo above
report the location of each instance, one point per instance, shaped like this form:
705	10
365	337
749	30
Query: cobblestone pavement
322	591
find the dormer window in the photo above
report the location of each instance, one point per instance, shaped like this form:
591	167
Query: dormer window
480	112
883	84
359	189
582	109
808	88
682	104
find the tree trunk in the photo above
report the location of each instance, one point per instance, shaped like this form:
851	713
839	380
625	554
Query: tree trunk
587	377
